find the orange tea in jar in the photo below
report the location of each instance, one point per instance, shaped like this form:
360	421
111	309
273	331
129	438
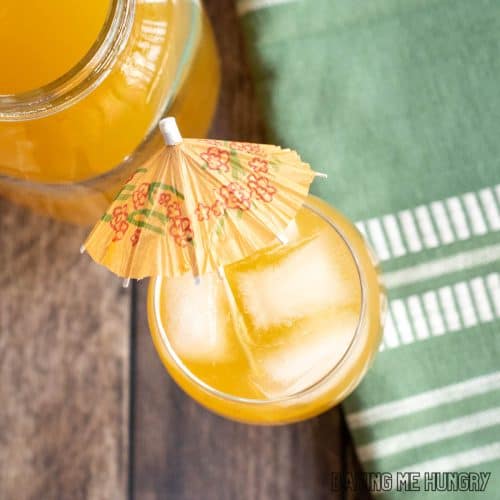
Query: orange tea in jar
82	87
281	335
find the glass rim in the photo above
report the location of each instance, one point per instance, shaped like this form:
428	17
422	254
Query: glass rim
163	337
82	78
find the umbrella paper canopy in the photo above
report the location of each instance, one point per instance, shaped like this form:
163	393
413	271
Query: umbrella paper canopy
199	204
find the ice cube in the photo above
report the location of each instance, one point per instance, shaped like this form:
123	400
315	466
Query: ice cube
304	359
195	317
293	282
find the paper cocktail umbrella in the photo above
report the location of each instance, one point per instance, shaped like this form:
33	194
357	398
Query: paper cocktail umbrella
199	204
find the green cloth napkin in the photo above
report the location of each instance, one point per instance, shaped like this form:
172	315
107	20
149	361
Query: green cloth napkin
399	102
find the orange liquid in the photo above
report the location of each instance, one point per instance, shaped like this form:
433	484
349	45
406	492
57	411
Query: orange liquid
281	328
75	146
43	41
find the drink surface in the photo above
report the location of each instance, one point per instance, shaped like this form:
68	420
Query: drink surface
168	64
42	40
277	324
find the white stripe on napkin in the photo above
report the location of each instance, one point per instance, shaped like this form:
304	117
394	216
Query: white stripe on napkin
443	310
462	460
245	6
425	400
438	223
429	434
440	267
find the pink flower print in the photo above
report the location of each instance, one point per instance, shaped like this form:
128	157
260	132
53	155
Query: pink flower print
202	212
164	199
119	222
217	159
261	187
258	165
174	210
217	208
180	230
135	237
235	196
140	195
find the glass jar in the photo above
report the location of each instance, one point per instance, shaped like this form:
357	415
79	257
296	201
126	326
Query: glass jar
280	336
68	145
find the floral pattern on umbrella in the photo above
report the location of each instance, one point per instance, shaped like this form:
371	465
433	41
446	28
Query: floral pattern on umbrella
200	204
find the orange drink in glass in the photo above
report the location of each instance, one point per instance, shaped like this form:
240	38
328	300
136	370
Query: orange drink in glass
82	88
282	335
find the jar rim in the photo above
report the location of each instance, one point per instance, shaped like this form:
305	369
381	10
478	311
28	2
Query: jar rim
163	337
80	80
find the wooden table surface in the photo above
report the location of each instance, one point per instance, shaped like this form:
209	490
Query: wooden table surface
87	410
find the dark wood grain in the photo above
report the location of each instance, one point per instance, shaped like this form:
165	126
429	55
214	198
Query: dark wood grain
64	337
180	450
